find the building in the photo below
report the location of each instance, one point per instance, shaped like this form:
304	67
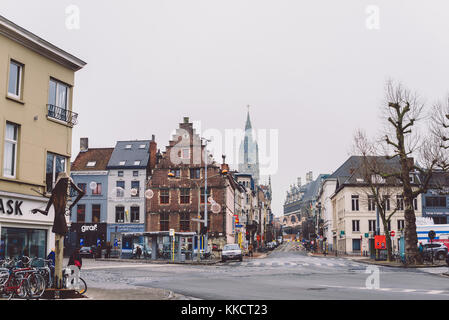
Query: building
36	121
129	167
249	153
178	193
435	200
89	218
354	211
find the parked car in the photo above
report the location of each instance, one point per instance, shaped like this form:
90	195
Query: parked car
87	252
439	250
231	252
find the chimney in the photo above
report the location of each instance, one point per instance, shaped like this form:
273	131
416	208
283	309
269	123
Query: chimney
186	119
153	153
224	166
309	177
299	181
84	144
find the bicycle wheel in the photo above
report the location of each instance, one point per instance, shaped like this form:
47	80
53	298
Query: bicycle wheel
36	285
83	286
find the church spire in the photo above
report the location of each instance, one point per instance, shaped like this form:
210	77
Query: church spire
248	121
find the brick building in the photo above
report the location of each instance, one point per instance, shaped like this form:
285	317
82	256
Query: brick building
180	197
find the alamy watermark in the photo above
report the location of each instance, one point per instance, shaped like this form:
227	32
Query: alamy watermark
72	20
373	280
372	21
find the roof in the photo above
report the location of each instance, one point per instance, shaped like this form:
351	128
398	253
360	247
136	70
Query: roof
31	41
130	155
98	155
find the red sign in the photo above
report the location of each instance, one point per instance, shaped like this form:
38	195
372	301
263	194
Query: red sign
380	242
392	233
258	237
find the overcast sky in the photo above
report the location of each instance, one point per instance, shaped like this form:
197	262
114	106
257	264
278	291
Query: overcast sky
314	70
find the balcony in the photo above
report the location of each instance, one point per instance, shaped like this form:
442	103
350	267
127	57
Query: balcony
63	115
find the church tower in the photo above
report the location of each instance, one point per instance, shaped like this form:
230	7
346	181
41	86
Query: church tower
249	152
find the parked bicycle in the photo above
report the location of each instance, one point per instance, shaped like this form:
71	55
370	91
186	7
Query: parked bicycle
17	279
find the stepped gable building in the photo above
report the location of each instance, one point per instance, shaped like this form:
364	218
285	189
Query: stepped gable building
179	197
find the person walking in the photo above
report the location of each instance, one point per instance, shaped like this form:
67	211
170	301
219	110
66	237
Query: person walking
76	259
138	252
250	250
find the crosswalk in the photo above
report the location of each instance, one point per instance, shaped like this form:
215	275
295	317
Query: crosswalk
303	262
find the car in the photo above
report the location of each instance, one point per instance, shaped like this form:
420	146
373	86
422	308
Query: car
439	250
87	252
231	252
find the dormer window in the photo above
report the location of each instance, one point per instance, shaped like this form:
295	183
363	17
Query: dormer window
128	146
122	163
137	163
91	164
142	146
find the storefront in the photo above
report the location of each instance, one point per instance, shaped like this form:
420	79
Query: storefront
22	232
86	234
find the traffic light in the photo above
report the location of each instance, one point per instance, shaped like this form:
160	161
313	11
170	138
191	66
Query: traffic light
203	230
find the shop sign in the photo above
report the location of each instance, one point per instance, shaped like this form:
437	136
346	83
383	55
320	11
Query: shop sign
89	228
10	207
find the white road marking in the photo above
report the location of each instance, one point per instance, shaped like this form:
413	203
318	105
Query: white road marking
435	292
130	266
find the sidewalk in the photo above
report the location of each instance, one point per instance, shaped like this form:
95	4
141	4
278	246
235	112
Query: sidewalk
380	263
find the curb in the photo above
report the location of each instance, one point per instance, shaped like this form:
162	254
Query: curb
205	263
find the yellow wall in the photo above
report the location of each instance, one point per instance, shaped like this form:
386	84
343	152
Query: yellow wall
36	137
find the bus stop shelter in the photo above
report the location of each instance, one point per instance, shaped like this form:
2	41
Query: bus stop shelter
159	245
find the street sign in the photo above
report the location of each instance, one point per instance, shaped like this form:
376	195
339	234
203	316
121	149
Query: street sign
379	242
392	233
98	242
115	243
239	225
366	235
432	234
198	220
81	242
172	232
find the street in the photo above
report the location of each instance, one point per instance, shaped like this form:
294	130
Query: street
284	274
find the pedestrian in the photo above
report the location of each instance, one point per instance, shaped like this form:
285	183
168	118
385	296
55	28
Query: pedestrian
108	250
52	257
138	252
250	250
76	259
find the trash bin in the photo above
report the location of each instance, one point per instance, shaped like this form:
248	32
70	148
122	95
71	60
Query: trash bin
183	257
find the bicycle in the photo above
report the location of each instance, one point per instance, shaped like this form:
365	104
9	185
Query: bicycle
45	268
17	279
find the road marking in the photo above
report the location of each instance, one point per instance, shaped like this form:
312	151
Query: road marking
435	292
130	266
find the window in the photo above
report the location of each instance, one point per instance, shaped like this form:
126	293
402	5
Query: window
15	79
386	203
195	173
142	146
122	163
372	225
400	202
15	241
439	202
356	225
184	196
135	214
135	188
96	211
10	151
128	146
97	190
371	203
185	153
82	186
355	202
119	214
356	245
120	173
81	213
164	196
120	186
135	173
439	220
164	221
91	164
137	163
176	172
415	203
203	194
401	225
184	221
55	165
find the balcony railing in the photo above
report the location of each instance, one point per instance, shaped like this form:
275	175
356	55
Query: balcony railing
62	114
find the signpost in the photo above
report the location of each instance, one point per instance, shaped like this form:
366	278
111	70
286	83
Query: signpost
432	236
392	233
172	234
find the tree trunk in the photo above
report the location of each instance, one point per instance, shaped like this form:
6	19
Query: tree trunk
388	242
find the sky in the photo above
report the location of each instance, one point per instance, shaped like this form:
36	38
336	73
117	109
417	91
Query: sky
312	71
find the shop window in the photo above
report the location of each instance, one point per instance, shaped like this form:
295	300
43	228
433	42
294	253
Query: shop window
20	241
96	213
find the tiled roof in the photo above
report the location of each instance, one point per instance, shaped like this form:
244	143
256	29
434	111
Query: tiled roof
99	156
